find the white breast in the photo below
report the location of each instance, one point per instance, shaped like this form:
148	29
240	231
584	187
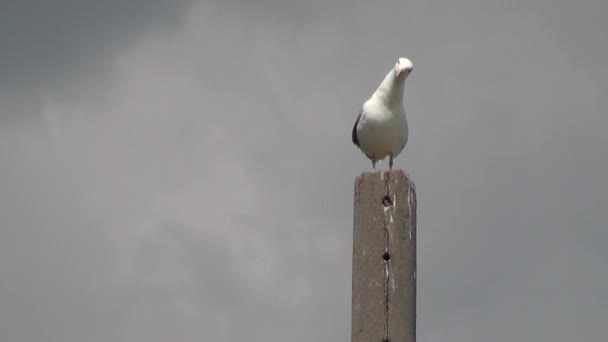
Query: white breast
382	130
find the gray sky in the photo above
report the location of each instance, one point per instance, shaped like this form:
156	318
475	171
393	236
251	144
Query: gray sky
183	171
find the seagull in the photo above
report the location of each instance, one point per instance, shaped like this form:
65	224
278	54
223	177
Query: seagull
381	130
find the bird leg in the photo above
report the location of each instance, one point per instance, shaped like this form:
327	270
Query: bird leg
373	164
390	162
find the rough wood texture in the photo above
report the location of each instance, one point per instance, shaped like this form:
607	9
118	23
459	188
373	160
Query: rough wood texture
384	258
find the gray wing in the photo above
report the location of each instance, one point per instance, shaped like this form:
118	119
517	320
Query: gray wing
354	133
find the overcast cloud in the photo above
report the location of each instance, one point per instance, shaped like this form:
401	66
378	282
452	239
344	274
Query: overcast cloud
183	171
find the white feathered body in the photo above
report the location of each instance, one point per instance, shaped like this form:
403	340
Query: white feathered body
382	129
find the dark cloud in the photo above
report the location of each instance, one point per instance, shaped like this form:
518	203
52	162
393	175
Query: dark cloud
50	45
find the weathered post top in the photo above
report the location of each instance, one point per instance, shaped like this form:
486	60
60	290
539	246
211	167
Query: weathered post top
384	258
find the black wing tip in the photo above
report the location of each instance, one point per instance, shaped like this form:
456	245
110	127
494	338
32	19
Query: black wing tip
354	133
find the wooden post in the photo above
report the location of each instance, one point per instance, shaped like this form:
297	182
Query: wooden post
384	258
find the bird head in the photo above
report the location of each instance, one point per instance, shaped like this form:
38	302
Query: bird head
403	67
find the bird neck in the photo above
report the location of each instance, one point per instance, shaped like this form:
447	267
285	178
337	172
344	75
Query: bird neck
391	89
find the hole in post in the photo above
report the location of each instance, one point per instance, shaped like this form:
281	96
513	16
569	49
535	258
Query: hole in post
386	201
386	256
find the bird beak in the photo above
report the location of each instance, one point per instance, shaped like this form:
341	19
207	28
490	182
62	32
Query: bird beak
398	72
